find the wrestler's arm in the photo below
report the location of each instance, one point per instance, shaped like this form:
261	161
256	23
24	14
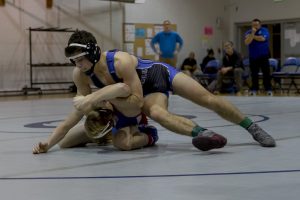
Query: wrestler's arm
116	94
126	69
128	96
98	98
71	120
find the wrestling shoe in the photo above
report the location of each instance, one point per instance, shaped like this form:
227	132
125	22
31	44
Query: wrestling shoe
151	131
209	140
262	137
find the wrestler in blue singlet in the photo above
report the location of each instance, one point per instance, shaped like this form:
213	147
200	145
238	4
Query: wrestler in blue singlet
122	121
154	76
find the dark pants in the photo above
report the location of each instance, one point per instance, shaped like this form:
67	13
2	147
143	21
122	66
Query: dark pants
236	74
263	64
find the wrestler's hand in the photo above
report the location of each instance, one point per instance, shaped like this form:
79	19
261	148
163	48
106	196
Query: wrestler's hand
83	104
41	147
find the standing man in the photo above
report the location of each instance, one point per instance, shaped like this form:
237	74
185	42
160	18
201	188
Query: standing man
167	44
257	39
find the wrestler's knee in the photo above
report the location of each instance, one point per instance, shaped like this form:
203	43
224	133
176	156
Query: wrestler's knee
158	113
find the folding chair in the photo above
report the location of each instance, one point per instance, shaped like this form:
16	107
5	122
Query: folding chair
288	71
210	73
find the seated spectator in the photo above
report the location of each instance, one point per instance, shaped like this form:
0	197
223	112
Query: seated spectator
189	65
210	56
232	68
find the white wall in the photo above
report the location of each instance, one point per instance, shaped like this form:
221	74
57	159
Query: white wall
18	15
191	16
264	10
242	11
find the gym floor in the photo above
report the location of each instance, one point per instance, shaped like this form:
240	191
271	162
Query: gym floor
171	170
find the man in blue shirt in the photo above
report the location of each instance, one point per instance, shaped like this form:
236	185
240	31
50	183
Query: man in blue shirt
169	44
257	39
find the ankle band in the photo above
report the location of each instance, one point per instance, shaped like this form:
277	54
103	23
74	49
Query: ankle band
246	123
196	130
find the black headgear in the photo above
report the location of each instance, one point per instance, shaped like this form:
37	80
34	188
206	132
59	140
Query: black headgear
90	50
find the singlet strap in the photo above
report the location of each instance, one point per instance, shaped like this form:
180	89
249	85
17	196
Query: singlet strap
96	81
110	63
90	73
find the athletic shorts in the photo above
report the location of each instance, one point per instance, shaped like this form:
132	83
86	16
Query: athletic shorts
124	121
156	76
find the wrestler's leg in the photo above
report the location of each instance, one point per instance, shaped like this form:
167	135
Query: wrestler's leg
155	106
132	138
129	138
193	91
190	89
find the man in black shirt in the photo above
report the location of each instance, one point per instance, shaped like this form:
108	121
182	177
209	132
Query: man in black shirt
210	56
232	68
189	65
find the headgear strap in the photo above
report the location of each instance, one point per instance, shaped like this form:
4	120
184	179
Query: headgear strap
90	50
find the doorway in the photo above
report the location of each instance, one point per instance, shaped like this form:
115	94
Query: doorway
274	41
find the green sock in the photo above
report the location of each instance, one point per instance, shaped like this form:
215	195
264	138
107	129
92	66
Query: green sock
196	130
246	123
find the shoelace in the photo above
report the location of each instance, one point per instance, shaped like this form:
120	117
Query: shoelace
207	133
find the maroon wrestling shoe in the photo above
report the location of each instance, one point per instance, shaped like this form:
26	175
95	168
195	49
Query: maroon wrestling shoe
209	140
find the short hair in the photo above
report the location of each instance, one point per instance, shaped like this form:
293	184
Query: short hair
80	37
229	42
256	20
166	21
210	51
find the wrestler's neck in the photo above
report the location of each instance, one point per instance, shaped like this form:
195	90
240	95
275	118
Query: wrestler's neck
101	64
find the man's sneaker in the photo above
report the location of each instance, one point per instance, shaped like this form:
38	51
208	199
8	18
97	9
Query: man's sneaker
261	136
151	131
238	94
270	93
209	140
253	93
216	92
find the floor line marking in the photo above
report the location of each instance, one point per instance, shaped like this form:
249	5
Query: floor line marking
153	176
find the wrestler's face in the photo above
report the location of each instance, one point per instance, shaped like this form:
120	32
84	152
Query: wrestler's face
83	63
